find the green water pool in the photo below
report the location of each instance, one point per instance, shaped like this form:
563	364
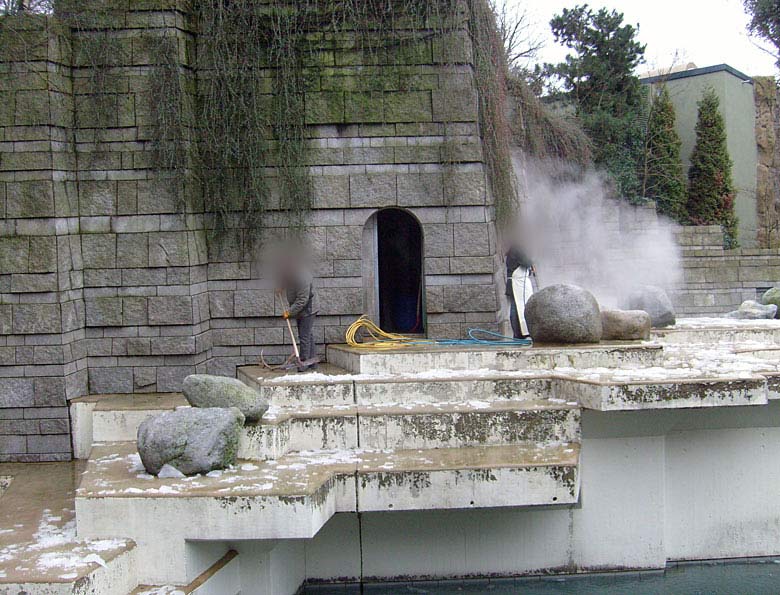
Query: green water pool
756	577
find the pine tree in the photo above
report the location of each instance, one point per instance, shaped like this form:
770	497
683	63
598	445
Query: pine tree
664	181
598	78
710	188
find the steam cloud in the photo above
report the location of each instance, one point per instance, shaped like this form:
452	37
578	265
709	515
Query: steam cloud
576	234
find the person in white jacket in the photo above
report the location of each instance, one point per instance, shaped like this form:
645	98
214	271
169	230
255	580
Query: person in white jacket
519	288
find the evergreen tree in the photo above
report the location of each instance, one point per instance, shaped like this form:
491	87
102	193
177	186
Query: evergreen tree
664	181
598	77
765	22
710	188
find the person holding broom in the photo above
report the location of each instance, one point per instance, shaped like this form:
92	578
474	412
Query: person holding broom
296	283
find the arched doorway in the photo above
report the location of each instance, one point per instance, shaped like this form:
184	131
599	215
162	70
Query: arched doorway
394	271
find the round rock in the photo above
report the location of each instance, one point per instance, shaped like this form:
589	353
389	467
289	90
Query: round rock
656	303
752	310
190	440
772	296
563	314
625	325
204	390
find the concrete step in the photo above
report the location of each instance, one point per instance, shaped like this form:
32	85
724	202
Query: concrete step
329	385
713	330
40	553
341	427
662	389
411	360
115	418
292	498
410	426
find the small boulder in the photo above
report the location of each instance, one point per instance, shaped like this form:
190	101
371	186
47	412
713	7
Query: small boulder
656	303
563	314
191	440
203	390
752	310
772	296
625	325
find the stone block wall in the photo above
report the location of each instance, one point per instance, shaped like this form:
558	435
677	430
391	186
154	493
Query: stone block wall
107	287
717	281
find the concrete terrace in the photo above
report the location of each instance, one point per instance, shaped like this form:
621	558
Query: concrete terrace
417	429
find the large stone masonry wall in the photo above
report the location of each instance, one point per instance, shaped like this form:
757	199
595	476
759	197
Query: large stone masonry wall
106	287
717	281
41	334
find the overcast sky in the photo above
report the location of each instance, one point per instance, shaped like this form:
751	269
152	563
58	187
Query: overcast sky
705	32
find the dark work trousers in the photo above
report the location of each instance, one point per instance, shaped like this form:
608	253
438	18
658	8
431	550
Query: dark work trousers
306	345
515	319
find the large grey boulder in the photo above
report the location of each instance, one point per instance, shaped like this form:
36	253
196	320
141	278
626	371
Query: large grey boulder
191	440
625	325
752	310
203	390
772	296
563	314
656	303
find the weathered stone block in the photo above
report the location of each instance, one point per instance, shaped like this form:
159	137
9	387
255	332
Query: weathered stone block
420	190
362	108
168	249
253	303
29	319
463	188
438	240
98	251
408	106
450	105
144	379
134	311
50	392
132	250
110	380
17	392
330	192
170	310
43	255
103	311
171	378
324	108
32	283
97	198
221	304
14	254
30	199
471	239
53	443
173	345
472	265
341	300
373	190
345	242
468	298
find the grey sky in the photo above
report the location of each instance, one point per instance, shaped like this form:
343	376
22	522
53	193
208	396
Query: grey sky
706	32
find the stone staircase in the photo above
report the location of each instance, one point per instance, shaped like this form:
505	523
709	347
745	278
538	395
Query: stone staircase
334	441
411	429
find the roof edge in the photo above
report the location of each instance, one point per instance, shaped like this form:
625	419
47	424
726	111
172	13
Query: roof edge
697	72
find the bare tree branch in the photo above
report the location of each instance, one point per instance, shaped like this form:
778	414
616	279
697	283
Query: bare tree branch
522	42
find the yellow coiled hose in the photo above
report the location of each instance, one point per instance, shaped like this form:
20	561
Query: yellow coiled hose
379	339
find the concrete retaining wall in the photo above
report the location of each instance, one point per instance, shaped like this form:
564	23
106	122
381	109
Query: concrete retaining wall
656	486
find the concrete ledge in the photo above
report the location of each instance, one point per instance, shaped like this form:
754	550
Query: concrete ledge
673	394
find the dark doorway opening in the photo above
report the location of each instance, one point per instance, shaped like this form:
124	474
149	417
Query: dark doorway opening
400	272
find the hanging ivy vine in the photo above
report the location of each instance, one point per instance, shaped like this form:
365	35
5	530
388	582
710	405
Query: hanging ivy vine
229	123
